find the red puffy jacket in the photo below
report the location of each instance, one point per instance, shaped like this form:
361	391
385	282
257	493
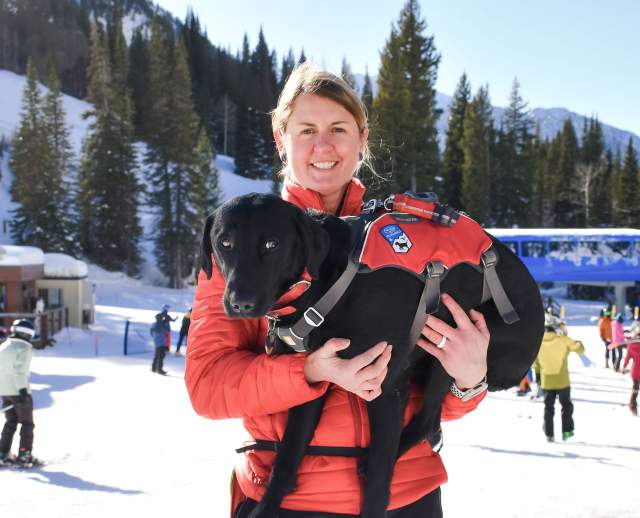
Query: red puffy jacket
229	375
633	353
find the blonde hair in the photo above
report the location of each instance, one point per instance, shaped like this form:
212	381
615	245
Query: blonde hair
307	78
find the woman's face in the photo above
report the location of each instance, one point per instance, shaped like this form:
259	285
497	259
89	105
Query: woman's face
322	142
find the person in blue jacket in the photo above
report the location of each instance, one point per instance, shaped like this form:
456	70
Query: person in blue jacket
158	332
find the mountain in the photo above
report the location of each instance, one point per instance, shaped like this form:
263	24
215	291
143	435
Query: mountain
550	121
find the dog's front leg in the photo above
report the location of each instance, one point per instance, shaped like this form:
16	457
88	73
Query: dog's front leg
426	423
385	422
301	423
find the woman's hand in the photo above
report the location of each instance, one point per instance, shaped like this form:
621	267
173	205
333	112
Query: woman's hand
464	352
363	374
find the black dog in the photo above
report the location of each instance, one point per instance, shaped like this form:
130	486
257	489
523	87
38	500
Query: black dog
262	246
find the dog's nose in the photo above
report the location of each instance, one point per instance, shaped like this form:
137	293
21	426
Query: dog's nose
242	305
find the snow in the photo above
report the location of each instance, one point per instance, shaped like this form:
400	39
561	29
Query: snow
123	441
132	21
63	265
12	85
20	255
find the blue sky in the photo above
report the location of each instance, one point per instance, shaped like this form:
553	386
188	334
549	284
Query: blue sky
581	55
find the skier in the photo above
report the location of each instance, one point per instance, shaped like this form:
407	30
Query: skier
618	342
166	321
604	326
184	330
552	366
633	353
15	364
158	332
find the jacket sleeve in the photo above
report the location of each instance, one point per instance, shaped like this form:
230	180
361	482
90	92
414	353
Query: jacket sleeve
627	357
454	408
576	346
21	367
228	374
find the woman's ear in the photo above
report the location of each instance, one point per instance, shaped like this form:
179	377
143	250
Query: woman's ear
277	136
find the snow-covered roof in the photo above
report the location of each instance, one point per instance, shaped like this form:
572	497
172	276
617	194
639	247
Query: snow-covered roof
565	232
11	255
64	266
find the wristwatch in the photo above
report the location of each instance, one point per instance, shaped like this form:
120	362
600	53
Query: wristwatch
466	395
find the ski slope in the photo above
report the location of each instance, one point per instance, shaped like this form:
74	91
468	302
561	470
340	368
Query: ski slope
122	441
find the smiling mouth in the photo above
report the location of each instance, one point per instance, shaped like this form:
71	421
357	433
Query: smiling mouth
324	166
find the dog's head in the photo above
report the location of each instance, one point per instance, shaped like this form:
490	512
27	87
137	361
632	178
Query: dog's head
261	244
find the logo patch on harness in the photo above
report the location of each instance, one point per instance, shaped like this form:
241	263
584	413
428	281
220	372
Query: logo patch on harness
396	237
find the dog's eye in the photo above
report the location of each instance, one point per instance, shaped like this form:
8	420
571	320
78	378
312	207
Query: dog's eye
271	244
225	243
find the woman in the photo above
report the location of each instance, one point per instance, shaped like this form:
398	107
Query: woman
320	129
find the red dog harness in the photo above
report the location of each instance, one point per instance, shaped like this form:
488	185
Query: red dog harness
412	232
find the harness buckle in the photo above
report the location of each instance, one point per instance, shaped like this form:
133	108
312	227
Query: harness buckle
370	206
309	316
489	259
388	203
435	269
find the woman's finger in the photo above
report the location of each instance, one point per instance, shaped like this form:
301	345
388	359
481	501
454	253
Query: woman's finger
459	315
369	356
432	349
478	320
440	326
376	368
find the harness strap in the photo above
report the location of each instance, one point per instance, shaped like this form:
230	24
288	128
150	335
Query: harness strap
314	315
325	451
429	300
492	288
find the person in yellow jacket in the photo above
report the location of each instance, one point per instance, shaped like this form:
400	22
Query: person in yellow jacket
552	368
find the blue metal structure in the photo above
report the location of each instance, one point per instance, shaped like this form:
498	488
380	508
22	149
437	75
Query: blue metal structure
591	256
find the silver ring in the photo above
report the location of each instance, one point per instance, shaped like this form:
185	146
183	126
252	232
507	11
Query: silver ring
440	344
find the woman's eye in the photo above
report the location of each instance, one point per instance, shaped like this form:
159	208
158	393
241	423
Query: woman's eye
339	130
271	244
225	242
307	131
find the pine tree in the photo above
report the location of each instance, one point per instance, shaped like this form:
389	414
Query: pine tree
512	186
454	156
616	188
475	146
629	202
347	74
566	209
61	178
108	187
245	138
367	94
420	62
264	98
30	164
138	79
594	162
288	64
392	108
179	167
550	182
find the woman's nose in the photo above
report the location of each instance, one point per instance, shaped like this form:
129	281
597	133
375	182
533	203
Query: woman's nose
322	141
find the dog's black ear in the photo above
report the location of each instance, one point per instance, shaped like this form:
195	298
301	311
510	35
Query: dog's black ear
316	242
205	247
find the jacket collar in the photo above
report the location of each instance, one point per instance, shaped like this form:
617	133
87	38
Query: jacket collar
308	199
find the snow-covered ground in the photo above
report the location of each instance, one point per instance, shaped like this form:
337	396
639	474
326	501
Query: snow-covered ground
122	441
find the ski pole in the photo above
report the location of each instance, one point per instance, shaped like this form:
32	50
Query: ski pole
6	408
